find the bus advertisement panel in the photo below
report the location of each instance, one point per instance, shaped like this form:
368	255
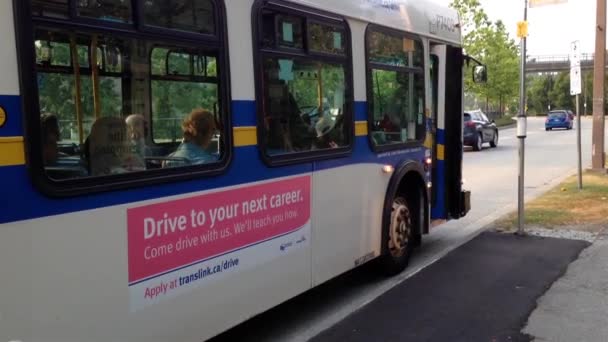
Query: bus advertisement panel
179	245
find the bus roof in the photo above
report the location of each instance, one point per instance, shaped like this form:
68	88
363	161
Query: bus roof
422	17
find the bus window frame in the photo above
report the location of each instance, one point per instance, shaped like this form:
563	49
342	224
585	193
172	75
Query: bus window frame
219	24
369	66
26	24
260	53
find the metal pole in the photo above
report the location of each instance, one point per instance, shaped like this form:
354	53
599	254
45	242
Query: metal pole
578	145
521	130
599	70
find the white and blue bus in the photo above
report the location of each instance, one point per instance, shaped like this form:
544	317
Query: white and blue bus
170	169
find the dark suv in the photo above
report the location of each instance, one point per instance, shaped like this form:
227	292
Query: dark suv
478	129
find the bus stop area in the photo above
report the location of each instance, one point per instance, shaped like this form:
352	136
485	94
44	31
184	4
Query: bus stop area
491	289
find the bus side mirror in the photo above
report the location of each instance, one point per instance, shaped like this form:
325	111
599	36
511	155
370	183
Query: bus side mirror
480	74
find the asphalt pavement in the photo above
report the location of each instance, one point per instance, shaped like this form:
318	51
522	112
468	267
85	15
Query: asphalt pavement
483	291
490	174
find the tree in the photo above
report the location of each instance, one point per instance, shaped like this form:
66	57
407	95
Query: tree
489	42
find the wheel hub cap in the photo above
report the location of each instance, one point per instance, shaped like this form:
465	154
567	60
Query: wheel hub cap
399	229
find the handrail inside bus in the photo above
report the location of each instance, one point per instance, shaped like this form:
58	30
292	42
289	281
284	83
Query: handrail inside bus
95	77
76	66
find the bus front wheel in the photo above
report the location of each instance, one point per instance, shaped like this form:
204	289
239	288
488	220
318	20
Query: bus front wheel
401	237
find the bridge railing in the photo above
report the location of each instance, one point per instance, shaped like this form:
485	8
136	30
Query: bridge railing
557	58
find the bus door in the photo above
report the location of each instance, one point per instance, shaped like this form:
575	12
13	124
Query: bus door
449	201
437	73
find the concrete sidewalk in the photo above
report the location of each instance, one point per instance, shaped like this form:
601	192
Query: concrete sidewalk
575	309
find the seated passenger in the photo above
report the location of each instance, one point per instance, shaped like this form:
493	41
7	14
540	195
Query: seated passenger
109	151
137	130
49	127
57	165
198	128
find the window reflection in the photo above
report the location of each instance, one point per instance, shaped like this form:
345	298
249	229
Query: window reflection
395	50
184	15
110	10
327	39
50	8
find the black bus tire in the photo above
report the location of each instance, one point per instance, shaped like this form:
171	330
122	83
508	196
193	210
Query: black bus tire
399	244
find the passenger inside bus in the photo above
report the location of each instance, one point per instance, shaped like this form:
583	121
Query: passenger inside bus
49	126
109	148
57	164
138	131
198	129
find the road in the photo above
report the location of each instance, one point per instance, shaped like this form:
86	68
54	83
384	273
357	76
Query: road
491	175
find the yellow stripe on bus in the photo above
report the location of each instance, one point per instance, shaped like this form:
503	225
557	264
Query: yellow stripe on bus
428	141
440	152
245	136
12	151
360	128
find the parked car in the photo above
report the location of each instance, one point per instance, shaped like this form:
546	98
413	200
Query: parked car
478	129
558	119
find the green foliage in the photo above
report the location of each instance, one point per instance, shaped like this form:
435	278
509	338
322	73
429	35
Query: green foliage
489	42
546	91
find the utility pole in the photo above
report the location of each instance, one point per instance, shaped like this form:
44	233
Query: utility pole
599	70
522	122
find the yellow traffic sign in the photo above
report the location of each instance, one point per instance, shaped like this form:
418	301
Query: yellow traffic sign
522	29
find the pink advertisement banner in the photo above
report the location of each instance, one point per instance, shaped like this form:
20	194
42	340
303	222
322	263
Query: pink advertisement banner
167	236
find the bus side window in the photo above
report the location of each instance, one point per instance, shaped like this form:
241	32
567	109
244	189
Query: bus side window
395	87
305	84
126	103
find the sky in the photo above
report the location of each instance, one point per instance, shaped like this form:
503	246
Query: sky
551	28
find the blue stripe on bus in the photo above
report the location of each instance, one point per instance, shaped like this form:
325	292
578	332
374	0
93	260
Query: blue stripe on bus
243	113
31	204
21	201
393	158
438	208
13	127
360	111
441	136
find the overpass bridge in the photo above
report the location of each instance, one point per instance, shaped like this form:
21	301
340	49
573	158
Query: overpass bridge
555	63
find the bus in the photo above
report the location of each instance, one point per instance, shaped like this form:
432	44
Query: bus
170	169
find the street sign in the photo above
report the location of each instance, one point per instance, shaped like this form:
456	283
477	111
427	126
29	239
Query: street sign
538	3
575	54
575	81
575	68
522	29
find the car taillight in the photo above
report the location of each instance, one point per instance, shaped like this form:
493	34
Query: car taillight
470	124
